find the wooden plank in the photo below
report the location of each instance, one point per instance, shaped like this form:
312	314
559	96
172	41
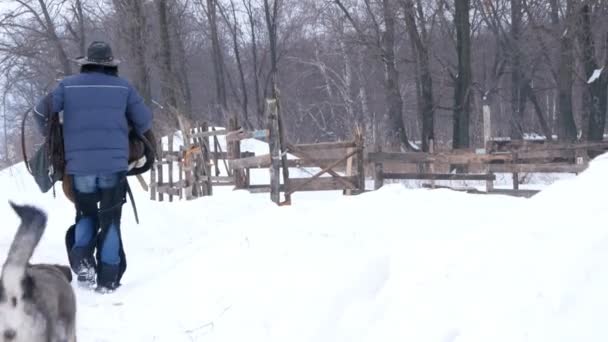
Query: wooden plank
170	166
446	158
222	179
320	173
224	155
439	176
545	154
223	184
516	193
537	168
169	190
213	133
239	135
318	184
256	162
508	192
326	146
306	156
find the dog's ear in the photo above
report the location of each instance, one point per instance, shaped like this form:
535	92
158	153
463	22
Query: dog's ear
66	271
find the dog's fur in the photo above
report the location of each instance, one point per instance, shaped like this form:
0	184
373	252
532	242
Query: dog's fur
37	302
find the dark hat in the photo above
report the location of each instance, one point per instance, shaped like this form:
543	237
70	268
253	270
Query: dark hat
98	53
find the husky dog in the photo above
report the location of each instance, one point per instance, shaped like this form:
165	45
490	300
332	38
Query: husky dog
37	302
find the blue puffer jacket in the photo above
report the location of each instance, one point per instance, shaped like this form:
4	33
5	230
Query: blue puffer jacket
97	109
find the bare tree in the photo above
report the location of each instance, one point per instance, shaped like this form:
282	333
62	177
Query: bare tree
419	40
384	43
565	80
133	26
218	60
462	90
233	26
595	96
168	83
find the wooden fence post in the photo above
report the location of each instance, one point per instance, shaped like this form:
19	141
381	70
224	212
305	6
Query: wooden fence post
234	152
378	171
161	196
283	154
204	145
180	170
170	166
153	180
275	150
515	174
487	136
359	141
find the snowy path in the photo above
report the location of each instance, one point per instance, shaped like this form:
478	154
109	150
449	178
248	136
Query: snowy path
391	265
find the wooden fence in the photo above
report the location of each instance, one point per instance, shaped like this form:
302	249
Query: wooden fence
193	168
347	155
513	157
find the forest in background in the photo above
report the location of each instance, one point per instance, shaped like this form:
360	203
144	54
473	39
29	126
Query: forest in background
407	71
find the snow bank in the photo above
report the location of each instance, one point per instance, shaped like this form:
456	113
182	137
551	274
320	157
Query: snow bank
396	264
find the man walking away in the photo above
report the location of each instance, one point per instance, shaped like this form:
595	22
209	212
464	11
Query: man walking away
99	108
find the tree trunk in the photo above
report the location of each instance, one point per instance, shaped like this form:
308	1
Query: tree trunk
518	98
544	125
52	32
167	85
395	126
234	30
596	89
181	64
566	127
81	31
348	83
462	91
254	54
218	65
271	25
131	14
424	79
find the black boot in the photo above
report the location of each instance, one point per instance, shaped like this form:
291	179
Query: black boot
107	278
83	265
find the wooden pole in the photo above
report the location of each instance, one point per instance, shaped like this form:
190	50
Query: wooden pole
170	166
349	169
180	170
282	144
515	174
431	164
359	139
204	144
378	170
234	152
487	136
153	180
275	150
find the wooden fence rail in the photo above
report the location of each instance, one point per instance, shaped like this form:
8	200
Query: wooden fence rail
513	157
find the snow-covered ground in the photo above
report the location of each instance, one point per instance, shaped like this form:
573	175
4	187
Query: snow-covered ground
397	264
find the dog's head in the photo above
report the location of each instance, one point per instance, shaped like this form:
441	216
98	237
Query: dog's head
19	318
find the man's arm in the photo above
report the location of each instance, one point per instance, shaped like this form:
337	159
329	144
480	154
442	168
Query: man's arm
138	113
49	105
